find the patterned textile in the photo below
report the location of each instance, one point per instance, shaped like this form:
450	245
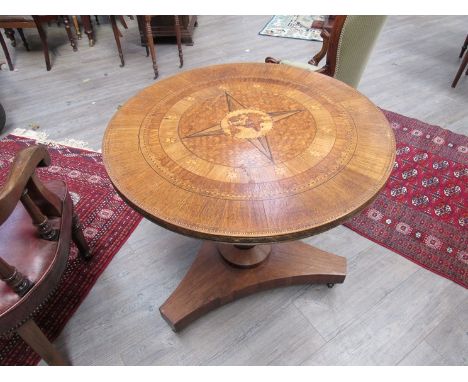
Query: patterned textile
422	211
107	224
298	27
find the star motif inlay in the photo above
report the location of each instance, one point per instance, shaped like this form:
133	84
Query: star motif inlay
242	122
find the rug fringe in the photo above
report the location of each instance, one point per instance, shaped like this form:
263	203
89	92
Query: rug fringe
42	137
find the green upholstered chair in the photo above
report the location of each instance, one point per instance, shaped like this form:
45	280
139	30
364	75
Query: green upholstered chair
351	41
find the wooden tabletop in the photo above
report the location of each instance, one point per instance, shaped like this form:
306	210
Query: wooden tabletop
249	153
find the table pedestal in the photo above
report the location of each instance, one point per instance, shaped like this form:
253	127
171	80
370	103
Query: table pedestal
222	273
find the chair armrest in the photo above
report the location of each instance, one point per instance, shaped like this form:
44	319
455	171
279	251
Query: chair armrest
21	172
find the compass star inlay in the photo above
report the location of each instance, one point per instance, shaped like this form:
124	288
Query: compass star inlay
242	122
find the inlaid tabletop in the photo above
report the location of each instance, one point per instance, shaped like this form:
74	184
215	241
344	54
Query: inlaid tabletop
249	153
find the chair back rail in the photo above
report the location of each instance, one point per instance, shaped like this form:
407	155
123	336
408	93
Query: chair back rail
22	176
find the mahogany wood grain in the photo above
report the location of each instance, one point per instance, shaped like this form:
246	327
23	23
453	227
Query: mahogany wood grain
249	153
211	282
244	256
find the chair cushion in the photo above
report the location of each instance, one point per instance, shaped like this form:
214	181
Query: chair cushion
301	65
34	257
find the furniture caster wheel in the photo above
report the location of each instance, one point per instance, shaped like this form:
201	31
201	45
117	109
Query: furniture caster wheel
330	285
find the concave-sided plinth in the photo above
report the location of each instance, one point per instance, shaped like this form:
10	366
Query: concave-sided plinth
220	275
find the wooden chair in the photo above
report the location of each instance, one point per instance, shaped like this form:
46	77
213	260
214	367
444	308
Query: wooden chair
20	22
33	256
350	44
463	64
145	25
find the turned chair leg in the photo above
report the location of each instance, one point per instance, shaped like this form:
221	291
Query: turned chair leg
25	42
79	239
88	29
77	27
43	37
34	337
66	21
463	49
10	33
122	21
179	40
150	44
5	52
19	283
115	29
460	70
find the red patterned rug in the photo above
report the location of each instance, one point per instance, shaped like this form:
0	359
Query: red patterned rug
107	224
422	213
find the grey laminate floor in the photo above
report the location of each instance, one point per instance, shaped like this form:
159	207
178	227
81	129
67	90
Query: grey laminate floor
389	311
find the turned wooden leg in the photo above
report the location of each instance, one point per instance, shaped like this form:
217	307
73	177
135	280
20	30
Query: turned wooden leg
43	37
122	21
66	21
222	273
150	44
115	29
179	40
88	29
79	239
40	220
463	49
5	52
34	337
14	279
10	33
23	38
462	67
77	27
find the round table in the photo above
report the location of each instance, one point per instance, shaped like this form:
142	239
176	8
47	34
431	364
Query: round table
248	157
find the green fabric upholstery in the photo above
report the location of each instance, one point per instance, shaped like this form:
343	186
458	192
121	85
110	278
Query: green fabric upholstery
358	37
357	40
301	65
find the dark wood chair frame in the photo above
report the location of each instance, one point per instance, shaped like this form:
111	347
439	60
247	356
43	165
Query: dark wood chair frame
36	22
463	64
145	25
331	36
55	221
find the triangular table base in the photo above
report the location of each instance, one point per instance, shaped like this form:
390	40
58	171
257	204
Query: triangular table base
211	281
